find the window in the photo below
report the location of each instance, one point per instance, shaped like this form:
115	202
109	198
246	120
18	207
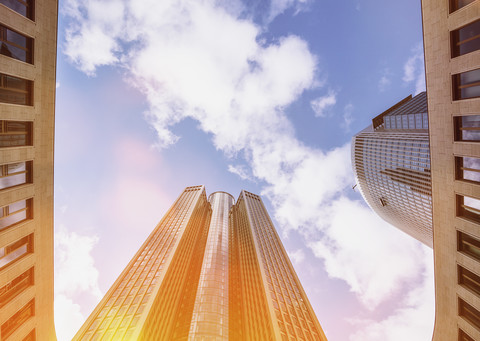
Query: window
15	213
469	280
19	318
15	134
16	286
13	252
15	174
465	39
30	336
466	85
468	208
467	128
462	336
469	313
24	7
16	45
15	90
457	4
467	169
468	245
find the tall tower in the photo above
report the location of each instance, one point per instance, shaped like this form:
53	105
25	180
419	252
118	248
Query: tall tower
391	162
451	31
28	38
211	269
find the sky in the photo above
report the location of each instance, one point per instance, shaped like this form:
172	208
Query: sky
154	96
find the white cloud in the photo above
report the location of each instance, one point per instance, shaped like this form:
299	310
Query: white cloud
385	80
414	69
297	256
241	170
347	117
68	318
279	6
181	55
413	321
75	273
321	104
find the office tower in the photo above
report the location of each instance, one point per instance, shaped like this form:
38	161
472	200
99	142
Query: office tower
28	37
391	163
451	32
211	270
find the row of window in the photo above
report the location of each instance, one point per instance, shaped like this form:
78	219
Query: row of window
19	318
14	90
16	45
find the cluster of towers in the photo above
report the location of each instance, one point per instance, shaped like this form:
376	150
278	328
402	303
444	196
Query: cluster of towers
215	268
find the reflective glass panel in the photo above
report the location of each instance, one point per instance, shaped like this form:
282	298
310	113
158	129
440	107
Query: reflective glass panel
466	39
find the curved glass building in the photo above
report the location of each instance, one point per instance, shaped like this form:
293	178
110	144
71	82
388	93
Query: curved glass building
391	163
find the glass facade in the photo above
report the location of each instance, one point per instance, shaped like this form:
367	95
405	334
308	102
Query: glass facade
392	169
211	270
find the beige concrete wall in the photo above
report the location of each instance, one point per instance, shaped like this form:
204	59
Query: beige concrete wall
44	31
437	24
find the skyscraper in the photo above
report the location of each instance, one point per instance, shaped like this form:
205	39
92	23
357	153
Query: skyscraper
28	42
451	31
211	270
391	162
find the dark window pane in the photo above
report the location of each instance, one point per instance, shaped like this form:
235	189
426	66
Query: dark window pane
466	85
15	287
15	213
16	45
466	39
468	245
13	252
24	7
19	318
467	168
457	4
469	313
15	133
467	128
15	90
469	208
462	336
469	280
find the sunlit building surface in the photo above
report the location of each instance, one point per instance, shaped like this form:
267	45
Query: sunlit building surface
452	66
28	36
391	162
211	270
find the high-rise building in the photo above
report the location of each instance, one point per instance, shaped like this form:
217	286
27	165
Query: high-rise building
451	31
28	42
211	270
391	163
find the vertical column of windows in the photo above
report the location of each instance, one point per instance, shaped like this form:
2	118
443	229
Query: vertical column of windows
293	317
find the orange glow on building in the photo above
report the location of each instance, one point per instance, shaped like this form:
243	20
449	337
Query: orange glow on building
211	269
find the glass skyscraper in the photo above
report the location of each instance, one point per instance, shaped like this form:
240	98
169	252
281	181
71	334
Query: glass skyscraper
391	162
211	270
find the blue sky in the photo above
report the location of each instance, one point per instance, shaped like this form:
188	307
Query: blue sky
264	96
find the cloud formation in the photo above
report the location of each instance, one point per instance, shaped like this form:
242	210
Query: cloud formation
322	103
414	69
75	273
181	55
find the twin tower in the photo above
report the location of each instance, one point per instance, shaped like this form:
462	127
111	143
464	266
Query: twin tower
210	270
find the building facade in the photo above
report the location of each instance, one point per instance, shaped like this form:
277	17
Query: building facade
212	269
452	65
391	163
28	42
